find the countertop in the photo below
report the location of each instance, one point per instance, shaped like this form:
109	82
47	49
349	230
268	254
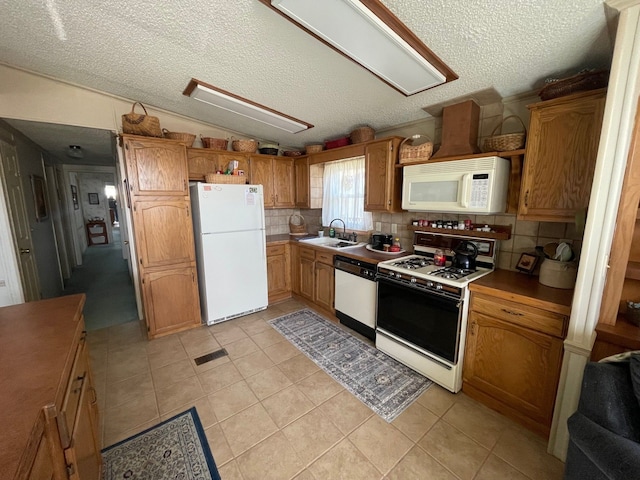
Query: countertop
359	253
522	288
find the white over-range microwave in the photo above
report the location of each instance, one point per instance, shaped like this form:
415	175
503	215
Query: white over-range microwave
473	186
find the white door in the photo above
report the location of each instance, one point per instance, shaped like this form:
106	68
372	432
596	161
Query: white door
19	221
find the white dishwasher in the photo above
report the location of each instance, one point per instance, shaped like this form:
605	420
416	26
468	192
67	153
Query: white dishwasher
356	295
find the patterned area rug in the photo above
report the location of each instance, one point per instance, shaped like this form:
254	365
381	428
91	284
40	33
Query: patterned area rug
379	381
176	449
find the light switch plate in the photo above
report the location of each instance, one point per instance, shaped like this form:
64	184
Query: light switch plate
394	228
378	226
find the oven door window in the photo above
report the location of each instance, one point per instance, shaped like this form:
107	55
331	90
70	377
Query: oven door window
427	320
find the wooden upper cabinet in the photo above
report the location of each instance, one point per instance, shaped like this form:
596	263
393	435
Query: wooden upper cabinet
241	158
163	232
262	174
156	166
283	181
202	161
276	175
302	182
383	182
560	157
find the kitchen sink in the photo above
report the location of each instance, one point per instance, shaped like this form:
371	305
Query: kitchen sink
334	243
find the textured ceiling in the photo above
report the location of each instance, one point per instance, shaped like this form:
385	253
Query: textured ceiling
148	51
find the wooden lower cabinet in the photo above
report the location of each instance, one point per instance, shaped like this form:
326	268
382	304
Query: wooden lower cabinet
307	278
314	277
52	427
171	300
324	286
278	272
295	270
512	360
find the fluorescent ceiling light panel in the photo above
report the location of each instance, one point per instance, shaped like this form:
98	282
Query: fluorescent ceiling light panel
367	32
243	107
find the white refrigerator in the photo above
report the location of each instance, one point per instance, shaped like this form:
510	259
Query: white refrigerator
231	254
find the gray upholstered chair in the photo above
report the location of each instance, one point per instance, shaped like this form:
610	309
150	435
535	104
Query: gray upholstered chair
605	430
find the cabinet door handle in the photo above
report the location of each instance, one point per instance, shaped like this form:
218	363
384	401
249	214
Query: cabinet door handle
516	314
526	198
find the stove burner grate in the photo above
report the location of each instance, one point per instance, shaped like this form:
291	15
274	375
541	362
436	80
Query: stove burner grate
413	263
452	273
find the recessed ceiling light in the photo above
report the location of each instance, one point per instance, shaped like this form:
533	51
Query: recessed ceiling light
75	151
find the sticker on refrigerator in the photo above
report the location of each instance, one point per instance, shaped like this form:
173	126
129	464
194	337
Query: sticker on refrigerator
250	195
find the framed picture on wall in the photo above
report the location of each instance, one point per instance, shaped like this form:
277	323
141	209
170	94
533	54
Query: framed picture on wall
93	199
74	197
39	197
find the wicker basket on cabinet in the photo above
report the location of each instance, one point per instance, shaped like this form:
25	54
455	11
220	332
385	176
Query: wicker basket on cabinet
297	225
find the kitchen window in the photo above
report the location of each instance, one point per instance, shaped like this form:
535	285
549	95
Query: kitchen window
343	194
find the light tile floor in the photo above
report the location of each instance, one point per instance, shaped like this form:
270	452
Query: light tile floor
270	413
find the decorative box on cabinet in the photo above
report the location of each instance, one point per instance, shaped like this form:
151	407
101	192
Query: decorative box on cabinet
97	232
163	230
560	156
50	421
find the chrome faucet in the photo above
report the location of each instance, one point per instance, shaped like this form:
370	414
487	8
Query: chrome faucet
344	228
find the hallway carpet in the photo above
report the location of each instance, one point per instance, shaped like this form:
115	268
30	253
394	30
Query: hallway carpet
104	278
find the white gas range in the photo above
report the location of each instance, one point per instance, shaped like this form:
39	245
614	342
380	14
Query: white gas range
423	308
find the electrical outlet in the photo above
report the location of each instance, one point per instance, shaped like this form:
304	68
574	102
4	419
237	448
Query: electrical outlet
394	228
3	283
378	226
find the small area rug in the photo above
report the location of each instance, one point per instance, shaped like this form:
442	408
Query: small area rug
174	449
383	384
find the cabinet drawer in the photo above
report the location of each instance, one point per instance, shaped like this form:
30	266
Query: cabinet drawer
274	250
71	400
307	253
324	257
524	315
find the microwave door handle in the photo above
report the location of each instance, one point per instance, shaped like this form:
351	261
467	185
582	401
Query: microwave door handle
466	183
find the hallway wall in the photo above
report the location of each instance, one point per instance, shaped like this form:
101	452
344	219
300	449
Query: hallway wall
31	160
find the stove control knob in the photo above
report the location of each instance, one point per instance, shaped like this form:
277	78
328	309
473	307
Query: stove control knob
438	286
413	280
398	276
429	284
392	274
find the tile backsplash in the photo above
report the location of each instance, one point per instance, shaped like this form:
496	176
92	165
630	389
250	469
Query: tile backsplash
525	235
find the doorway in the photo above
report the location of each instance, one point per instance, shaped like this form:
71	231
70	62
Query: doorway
101	272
